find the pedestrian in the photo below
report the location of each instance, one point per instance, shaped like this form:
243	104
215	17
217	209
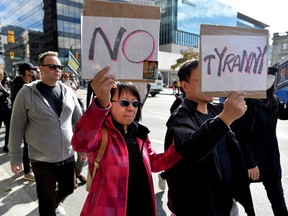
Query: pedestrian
5	107
212	175
45	111
81	157
26	71
256	133
65	80
123	184
174	86
38	74
178	86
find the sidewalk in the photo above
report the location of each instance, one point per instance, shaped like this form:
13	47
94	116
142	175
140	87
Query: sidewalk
16	194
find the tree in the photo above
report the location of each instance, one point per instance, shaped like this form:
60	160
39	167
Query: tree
186	56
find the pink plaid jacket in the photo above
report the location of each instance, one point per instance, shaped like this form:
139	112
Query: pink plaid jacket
108	193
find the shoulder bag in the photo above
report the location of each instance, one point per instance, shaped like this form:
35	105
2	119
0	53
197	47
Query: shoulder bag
99	156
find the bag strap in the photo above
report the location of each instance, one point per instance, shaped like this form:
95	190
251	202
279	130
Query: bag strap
101	150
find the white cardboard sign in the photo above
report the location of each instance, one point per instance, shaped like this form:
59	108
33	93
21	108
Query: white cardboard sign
234	62
121	43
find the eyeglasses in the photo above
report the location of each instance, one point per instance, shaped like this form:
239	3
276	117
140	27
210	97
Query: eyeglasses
53	67
126	103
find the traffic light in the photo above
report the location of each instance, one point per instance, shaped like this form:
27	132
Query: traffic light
77	55
11	36
11	55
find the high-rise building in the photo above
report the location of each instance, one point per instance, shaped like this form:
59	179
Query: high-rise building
181	20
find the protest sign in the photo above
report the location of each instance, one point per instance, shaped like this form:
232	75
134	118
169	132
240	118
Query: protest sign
233	59
120	35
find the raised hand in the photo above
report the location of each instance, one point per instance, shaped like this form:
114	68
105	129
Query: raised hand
101	84
234	107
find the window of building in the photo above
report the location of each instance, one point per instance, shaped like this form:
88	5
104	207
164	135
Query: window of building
285	46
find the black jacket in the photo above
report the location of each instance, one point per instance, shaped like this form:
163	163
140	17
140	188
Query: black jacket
256	132
195	185
16	85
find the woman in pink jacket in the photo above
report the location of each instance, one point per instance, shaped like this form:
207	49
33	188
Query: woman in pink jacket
123	184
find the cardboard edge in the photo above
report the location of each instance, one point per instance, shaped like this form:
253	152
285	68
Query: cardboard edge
119	9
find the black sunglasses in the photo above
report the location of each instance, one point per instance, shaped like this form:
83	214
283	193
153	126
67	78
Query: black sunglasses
126	103
53	67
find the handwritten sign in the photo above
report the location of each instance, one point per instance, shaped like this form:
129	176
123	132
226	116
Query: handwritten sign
120	37
233	59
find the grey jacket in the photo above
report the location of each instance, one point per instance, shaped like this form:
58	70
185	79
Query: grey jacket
48	136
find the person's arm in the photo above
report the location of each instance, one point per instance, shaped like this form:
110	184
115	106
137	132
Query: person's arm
196	143
162	161
18	123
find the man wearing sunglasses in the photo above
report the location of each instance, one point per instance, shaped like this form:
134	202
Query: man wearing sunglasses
45	111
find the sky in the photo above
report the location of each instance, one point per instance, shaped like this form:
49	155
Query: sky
272	13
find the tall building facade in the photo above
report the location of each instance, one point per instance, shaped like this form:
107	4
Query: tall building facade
181	21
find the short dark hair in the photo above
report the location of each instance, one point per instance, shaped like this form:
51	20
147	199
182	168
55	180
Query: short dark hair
128	87
185	70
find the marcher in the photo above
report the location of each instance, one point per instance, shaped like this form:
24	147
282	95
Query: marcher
45	112
38	74
5	107
174	83
212	175
256	133
123	184
26	76
81	158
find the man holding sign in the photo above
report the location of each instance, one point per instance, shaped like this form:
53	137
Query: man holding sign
212	173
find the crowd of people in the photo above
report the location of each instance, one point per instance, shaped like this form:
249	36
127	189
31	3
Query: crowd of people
209	160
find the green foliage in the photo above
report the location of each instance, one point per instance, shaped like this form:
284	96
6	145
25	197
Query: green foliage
186	56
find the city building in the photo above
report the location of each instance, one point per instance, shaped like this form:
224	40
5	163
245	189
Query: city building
56	25
279	47
181	21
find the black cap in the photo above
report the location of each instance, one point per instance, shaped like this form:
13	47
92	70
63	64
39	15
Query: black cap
272	70
26	66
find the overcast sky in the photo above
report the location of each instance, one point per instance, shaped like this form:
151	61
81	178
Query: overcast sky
272	13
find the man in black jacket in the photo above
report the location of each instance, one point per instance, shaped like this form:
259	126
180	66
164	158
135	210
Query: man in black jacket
211	176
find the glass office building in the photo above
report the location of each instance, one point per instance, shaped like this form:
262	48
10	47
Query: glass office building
37	26
181	21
